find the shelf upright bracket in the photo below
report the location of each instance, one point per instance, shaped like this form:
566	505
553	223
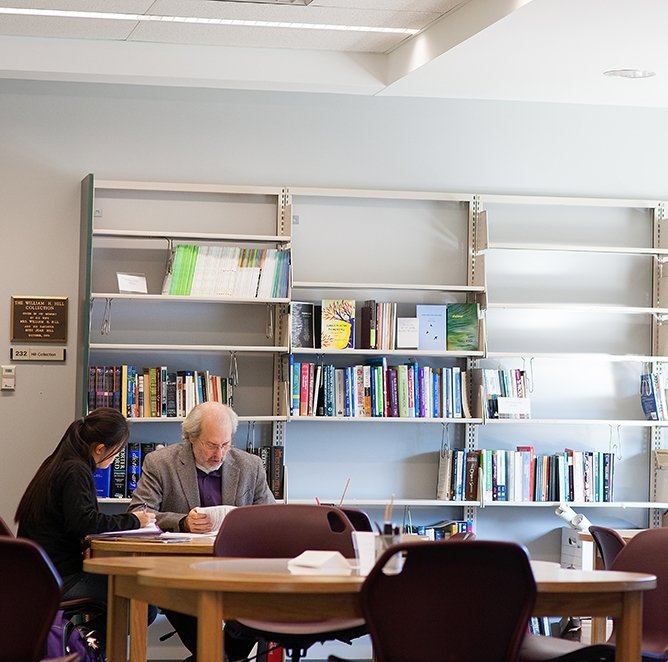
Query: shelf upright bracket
659	340
477	243
284	214
471	441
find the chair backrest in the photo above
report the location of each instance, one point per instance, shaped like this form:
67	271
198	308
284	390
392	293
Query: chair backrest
646	552
4	529
358	518
284	531
450	602
608	543
31	590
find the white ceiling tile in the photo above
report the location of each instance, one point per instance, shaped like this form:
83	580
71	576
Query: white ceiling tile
436	6
178	33
65	28
122	6
301	14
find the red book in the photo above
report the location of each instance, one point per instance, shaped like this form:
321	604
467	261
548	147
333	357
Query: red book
304	390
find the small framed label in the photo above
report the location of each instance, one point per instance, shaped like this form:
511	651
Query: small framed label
131	283
37	319
37	353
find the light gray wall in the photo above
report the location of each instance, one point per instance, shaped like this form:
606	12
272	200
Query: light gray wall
52	135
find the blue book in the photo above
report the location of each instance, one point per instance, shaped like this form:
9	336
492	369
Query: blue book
102	478
648	399
134	466
432	326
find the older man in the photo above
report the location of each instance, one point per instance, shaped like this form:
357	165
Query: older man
203	470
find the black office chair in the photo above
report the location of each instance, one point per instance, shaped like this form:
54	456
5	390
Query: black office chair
285	531
466	601
80	608
31	589
608	543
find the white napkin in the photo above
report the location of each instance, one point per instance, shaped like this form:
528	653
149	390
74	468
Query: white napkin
315	562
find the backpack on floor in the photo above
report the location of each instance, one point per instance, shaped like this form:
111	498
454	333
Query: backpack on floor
65	638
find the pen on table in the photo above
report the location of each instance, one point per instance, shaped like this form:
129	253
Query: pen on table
317	501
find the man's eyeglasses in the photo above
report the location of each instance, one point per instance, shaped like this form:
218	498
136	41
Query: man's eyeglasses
215	447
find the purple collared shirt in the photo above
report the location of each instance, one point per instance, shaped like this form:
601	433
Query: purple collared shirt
210	487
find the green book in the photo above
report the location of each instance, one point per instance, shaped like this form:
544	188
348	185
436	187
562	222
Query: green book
462	326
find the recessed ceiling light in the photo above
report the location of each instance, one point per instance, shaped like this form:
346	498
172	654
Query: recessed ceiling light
629	73
66	13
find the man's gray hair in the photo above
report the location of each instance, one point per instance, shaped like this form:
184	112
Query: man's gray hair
191	428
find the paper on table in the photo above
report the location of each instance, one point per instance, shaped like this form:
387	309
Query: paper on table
215	513
316	562
150	530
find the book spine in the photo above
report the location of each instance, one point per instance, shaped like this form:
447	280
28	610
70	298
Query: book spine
119	475
339	392
472	464
134	467
304	389
295	385
366	377
102	478
359	391
277	471
392	392
331	390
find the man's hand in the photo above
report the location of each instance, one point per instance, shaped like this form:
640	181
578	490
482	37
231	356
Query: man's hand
198	522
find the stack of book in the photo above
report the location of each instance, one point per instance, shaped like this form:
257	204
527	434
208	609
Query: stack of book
229	271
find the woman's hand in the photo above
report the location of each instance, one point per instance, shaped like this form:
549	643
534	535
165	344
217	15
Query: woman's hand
145	518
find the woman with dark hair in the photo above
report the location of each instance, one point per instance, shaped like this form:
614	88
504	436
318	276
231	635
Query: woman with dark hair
59	507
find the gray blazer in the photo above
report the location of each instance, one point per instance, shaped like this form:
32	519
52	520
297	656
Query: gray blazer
168	483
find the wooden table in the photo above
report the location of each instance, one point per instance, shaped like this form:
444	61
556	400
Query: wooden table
137	547
214	589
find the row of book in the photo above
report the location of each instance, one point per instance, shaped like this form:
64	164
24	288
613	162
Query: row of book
376	389
330	324
196	270
504	392
522	475
436	327
273	460
119	480
444	529
155	392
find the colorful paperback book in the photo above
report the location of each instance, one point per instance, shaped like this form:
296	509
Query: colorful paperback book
338	324
432	323
462	326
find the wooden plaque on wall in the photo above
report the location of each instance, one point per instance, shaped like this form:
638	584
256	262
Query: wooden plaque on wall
39	319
